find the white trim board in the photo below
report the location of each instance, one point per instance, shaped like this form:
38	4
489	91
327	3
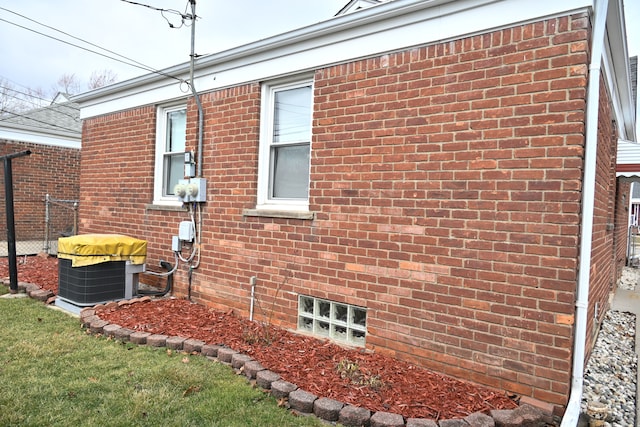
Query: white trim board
397	25
39	138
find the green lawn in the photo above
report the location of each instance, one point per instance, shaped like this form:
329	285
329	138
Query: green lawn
53	374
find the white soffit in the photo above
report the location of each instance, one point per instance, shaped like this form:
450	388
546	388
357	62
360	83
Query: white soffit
398	25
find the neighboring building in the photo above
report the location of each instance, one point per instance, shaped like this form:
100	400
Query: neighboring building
53	135
628	174
628	170
434	180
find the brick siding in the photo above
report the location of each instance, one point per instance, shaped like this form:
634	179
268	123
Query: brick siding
602	253
446	182
48	170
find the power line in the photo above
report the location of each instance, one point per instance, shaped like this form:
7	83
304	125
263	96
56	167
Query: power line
76	38
132	63
14	82
29	98
30	95
69	43
183	16
37	121
177	12
39	107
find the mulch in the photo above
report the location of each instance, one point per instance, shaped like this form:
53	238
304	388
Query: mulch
353	376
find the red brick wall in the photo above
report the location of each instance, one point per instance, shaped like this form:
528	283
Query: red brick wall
117	181
48	170
446	182
604	267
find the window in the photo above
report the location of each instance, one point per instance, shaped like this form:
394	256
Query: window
170	148
285	147
341	322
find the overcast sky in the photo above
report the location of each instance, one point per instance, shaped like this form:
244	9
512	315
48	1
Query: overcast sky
33	60
140	33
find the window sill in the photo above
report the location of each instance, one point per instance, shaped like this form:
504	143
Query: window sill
266	213
176	208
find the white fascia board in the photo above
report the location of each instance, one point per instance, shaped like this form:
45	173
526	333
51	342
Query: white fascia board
18	135
394	26
617	69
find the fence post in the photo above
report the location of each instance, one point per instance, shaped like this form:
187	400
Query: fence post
11	225
75	218
46	223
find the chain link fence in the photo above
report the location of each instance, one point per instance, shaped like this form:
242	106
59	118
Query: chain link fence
39	223
61	220
633	248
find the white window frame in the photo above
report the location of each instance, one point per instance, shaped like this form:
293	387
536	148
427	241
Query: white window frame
159	198
264	202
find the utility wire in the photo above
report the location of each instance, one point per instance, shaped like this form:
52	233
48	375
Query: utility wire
183	16
16	83
38	107
133	63
177	12
30	95
38	121
76	38
48	101
71	44
29	98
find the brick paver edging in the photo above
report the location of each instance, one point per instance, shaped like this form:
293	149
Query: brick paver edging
298	400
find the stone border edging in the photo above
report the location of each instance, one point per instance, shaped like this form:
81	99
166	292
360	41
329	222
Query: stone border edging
298	400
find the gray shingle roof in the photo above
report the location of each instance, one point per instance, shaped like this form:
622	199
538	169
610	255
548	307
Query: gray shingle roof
58	118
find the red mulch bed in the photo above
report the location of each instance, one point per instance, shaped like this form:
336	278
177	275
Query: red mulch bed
40	270
357	377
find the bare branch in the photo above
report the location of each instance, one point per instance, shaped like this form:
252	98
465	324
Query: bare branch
101	78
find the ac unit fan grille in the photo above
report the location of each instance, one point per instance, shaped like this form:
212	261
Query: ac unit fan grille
92	284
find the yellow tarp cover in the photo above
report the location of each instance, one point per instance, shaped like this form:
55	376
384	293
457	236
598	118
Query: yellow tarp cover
89	249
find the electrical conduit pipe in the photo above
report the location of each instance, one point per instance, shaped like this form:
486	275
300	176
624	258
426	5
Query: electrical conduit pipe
572	413
169	275
252	282
193	88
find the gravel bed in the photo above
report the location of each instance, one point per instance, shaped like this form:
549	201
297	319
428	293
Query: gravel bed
629	278
610	375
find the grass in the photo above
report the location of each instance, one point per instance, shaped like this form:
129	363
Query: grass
53	373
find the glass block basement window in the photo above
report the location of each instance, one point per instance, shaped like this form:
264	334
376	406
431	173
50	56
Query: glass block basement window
328	319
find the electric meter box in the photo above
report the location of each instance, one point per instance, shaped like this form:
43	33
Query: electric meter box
192	190
197	190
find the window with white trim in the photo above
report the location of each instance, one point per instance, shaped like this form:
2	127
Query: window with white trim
341	322
285	146
170	148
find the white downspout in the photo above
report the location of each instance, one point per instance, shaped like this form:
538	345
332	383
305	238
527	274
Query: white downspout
572	412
